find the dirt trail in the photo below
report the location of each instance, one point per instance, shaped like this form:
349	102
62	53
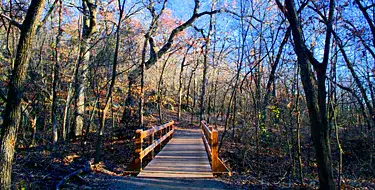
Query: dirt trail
112	182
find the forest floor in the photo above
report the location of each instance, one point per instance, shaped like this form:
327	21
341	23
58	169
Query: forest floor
43	167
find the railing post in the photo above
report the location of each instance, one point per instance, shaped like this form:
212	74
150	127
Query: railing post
160	134
150	141
202	128
138	149
165	131
169	130
210	139
215	151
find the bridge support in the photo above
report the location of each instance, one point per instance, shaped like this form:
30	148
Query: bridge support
138	150
151	155
210	140
215	151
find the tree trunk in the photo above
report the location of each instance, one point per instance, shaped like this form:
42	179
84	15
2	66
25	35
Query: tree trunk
12	111
180	91
66	118
316	100
142	94
55	77
204	78
271	79
159	90
188	87
227	118
81	79
55	72
214	110
95	104
298	133
111	86
180	85
88	28
33	128
194	99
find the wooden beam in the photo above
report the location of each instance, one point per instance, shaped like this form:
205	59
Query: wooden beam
150	148
222	169
155	129
215	151
205	129
138	149
150	142
210	141
206	145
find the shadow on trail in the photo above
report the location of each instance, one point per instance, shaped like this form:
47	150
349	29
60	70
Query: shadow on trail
159	183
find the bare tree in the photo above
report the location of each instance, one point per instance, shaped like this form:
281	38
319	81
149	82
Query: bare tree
12	112
55	77
153	58
88	29
121	6
316	99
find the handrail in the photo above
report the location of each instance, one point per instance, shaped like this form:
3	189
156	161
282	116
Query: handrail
210	141
163	133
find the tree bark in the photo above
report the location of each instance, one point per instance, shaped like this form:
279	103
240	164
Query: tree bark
88	28
55	77
298	133
12	116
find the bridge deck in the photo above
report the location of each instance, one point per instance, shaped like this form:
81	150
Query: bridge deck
183	157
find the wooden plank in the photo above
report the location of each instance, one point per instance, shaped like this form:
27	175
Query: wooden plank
183	157
214	151
156	129
151	139
155	144
138	150
176	175
206	145
206	130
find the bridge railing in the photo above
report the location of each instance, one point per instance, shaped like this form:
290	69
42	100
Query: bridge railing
210	140
155	137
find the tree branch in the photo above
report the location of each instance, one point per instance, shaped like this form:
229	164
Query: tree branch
3	96
296	27
12	21
153	58
368	19
44	20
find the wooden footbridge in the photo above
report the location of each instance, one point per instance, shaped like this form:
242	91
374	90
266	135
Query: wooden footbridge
178	153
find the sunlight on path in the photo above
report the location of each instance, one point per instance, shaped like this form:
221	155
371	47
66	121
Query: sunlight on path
183	157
